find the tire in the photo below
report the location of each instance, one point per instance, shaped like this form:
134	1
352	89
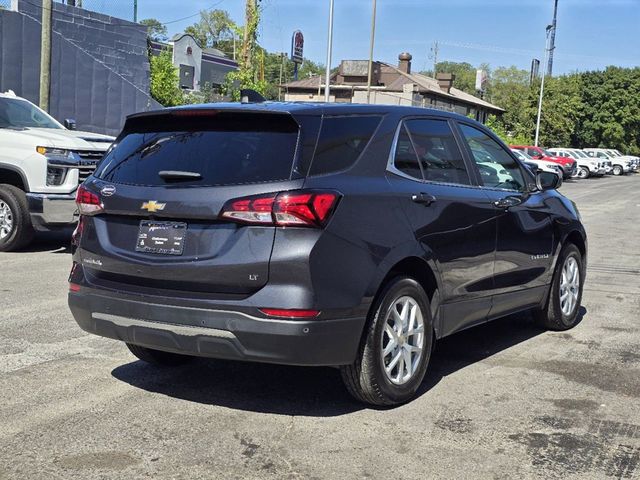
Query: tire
158	357
555	315
617	170
367	379
583	172
16	231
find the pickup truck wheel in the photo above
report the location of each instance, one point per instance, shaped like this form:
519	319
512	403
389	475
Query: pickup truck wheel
583	172
158	357
617	170
562	311
396	346
15	223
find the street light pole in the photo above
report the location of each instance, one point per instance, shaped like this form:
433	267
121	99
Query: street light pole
546	54
329	47
373	35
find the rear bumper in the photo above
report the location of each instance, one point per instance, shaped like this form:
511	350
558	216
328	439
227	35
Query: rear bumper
50	211
212	333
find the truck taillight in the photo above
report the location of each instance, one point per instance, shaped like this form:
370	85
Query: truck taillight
286	209
88	202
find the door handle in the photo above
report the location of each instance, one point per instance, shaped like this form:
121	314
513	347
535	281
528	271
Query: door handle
506	202
423	198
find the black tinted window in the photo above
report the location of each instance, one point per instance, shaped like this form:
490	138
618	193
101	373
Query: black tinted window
223	149
437	151
497	168
405	158
342	140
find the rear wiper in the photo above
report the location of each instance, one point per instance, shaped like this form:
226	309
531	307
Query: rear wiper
179	175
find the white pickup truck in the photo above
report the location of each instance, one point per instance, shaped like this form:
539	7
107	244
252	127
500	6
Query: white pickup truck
587	166
41	165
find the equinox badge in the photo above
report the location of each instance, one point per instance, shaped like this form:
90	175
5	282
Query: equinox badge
153	206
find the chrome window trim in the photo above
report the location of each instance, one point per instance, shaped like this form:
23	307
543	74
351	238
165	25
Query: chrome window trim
391	167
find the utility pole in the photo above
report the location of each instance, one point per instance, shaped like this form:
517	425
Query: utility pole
329	48
45	55
373	35
282	57
552	44
250	11
435	49
135	11
546	55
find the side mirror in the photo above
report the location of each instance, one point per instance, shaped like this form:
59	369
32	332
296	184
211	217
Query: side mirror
69	123
548	181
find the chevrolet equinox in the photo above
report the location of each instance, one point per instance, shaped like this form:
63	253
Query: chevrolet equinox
353	236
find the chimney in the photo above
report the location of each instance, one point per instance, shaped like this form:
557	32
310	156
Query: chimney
404	62
445	81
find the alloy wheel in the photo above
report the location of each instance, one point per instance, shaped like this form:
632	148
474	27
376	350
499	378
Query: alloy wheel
569	286
6	220
403	340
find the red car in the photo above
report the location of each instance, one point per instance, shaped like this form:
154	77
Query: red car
538	153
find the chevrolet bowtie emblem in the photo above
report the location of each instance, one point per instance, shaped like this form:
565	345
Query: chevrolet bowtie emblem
153	206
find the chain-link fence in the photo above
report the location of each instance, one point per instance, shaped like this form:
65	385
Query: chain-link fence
6	4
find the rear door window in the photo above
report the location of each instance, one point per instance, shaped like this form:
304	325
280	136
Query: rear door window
437	150
222	148
341	142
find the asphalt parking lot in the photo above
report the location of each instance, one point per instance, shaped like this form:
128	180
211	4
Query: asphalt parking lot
504	400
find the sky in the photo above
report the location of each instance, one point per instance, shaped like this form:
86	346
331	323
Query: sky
591	34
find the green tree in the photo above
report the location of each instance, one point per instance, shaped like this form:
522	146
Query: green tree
155	30
509	89
215	29
164	80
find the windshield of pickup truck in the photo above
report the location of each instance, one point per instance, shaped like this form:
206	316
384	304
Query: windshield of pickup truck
16	113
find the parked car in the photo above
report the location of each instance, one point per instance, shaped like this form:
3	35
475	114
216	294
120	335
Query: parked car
568	165
41	165
317	234
587	166
620	165
538	165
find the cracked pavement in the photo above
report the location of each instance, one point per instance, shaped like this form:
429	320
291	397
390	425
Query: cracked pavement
503	400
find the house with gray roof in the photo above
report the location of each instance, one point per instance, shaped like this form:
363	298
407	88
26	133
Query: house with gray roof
391	85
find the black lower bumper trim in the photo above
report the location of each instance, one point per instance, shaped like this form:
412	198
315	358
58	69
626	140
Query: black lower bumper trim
222	334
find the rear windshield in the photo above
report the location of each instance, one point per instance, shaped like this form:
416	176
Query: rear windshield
222	148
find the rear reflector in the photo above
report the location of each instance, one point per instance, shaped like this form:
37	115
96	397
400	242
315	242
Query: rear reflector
296	208
73	287
88	202
276	312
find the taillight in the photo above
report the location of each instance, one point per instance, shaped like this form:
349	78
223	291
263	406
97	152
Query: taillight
88	202
296	208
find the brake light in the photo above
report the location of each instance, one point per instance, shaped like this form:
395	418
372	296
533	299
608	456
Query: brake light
88	202
296	208
289	313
